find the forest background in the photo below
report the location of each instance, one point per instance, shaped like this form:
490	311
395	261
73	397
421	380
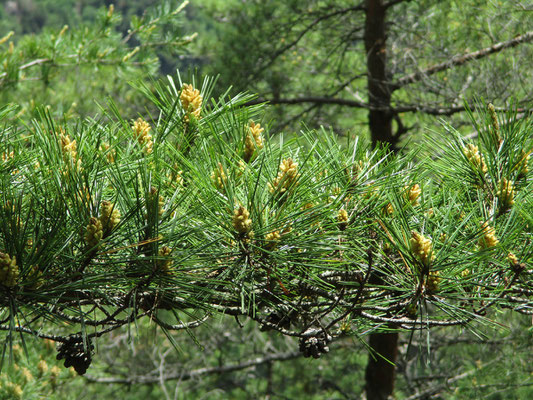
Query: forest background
308	60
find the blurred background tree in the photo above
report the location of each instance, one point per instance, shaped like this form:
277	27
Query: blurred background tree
374	66
80	53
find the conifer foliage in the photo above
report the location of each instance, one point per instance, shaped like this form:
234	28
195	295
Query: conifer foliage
197	211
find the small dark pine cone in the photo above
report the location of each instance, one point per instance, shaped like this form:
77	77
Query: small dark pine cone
315	343
75	355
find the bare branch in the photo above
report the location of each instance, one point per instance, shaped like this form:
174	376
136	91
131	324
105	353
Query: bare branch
30	64
18	328
450	110
462	59
318	100
312	99
412	322
446	385
186	375
392	3
187	325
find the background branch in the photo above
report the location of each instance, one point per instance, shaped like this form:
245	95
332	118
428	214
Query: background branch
461	59
186	375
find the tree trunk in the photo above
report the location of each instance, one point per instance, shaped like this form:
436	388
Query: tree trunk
380	370
379	94
380	373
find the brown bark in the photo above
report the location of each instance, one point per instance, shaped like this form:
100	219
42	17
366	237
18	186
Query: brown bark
379	94
380	371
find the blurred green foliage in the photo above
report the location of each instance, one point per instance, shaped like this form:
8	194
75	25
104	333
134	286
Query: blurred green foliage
73	64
